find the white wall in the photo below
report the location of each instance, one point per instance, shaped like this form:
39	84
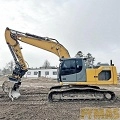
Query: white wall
31	73
1	72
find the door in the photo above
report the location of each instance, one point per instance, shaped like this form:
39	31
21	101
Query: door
80	70
39	73
68	70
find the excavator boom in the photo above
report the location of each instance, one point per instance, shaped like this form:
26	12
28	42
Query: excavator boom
49	44
12	38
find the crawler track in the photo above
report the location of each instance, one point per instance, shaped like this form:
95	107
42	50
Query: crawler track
80	92
42	99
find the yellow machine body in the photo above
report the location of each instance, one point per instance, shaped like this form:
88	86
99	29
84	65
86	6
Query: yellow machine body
96	76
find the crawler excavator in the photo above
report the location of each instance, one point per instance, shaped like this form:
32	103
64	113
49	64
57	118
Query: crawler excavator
77	81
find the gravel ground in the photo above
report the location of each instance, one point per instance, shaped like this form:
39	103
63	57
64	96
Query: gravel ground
33	103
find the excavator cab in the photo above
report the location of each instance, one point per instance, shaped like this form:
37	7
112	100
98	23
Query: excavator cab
72	70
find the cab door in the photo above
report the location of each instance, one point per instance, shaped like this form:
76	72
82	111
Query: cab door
80	70
68	71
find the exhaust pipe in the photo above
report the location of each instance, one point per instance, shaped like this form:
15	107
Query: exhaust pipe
111	63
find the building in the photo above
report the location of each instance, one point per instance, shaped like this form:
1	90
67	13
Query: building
118	76
1	72
50	72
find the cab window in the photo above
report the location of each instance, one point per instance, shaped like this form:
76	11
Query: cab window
78	65
68	67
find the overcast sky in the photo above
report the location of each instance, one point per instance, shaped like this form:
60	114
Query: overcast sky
80	25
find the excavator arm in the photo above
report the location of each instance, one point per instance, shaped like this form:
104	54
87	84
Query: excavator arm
49	44
12	38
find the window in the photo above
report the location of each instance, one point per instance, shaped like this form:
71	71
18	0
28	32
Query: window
54	73
68	67
78	65
46	72
68	64
71	66
35	73
104	75
28	73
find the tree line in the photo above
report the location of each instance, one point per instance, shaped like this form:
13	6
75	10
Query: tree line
9	67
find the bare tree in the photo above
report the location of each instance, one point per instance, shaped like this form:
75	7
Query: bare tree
8	68
46	64
5	71
79	54
10	65
90	60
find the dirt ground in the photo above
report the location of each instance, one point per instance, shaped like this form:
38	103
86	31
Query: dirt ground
33	103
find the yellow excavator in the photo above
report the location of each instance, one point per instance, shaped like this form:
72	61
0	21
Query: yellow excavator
77	80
